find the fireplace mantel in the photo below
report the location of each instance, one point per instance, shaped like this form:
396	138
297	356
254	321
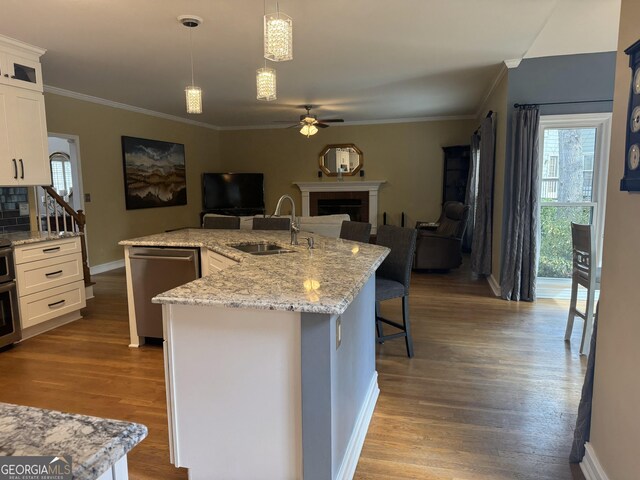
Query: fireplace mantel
371	186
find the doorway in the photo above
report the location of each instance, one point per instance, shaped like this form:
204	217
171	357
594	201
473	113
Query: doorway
66	174
574	158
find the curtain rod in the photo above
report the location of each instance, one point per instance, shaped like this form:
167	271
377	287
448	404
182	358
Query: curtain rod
489	114
527	105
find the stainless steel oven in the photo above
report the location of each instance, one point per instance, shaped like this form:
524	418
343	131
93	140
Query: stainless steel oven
10	330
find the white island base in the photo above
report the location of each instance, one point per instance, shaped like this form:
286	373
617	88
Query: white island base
270	394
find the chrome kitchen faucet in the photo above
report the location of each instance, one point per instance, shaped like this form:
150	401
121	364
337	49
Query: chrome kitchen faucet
294	228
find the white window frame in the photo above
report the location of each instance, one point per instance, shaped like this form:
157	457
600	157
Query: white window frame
559	288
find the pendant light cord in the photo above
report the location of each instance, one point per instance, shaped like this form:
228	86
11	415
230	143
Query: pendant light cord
265	14
191	53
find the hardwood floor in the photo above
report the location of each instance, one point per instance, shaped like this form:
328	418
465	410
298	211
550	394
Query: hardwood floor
492	392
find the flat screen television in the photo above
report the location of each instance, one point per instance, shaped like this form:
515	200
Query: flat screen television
233	191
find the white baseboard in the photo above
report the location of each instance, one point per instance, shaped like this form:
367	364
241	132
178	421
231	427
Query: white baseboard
493	283
352	454
50	324
88	292
105	267
590	465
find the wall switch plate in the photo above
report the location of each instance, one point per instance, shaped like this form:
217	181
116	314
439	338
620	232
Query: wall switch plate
338	332
87	197
24	209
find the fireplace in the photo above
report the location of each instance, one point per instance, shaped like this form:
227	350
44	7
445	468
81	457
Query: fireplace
355	204
358	199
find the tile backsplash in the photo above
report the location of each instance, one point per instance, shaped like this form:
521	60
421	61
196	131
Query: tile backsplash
10	200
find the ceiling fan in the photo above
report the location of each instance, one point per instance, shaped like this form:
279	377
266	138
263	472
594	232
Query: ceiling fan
309	124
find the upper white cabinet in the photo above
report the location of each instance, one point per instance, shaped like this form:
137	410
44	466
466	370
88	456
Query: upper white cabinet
20	72
24	158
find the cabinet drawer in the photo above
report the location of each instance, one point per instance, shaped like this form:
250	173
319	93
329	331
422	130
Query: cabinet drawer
42	250
39	307
218	262
40	275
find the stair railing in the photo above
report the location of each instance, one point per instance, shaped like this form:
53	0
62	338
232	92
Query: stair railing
71	220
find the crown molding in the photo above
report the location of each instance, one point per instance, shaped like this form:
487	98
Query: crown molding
359	122
22	46
501	73
512	62
124	106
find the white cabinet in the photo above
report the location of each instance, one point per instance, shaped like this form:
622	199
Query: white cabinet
24	158
50	284
211	262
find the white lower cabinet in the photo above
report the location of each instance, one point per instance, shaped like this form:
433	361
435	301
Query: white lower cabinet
212	262
51	303
50	283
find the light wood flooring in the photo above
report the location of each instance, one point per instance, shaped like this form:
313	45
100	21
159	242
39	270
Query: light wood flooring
492	392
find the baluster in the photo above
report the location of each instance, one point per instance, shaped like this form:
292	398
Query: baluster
38	212
46	206
55	212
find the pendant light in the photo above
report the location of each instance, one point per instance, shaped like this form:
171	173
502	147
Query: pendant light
278	36
193	94
266	83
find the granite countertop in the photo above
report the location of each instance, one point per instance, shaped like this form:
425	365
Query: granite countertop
93	443
323	280
22	238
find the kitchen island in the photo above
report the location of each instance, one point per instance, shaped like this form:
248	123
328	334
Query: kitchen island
96	447
269	359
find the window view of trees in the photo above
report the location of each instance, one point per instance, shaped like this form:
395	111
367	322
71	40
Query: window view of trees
566	195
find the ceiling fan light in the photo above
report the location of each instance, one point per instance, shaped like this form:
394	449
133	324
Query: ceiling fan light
193	96
266	84
309	130
278	37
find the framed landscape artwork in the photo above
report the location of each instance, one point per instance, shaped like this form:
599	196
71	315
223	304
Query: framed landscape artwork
154	173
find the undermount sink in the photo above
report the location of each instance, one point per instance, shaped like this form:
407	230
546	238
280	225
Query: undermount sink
261	248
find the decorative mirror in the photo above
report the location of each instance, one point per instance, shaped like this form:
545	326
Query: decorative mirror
341	159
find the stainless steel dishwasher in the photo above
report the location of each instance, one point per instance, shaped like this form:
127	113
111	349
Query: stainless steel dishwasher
156	270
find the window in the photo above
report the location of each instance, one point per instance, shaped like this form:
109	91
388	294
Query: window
549	189
552	167
574	160
61	174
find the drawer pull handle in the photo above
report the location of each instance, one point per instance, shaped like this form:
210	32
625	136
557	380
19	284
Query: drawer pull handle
21	168
53	273
57	304
50	250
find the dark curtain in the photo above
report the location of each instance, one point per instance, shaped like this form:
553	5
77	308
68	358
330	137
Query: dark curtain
582	431
519	256
472	191
483	221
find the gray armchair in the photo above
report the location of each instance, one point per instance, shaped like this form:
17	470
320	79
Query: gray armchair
439	247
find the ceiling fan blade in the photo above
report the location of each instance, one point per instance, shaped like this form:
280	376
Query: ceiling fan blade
297	125
321	125
332	120
281	121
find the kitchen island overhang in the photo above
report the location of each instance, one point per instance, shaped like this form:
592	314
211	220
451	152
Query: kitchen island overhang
270	363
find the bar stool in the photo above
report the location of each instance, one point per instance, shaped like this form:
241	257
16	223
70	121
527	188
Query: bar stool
218	222
393	278
356	231
271	223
